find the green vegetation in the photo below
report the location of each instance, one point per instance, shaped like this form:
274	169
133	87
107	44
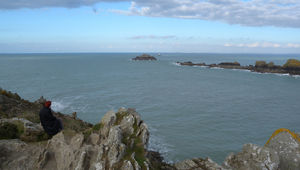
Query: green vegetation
42	137
11	130
73	124
2	114
120	116
292	64
87	133
31	116
136	148
10	94
97	127
271	64
260	64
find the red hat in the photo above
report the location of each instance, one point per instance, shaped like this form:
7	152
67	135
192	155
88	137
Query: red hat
48	104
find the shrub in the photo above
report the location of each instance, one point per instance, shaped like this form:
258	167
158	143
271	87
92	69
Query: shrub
11	130
260	64
97	127
10	94
271	64
292	64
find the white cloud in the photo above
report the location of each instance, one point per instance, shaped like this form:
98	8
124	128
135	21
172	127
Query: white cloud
285	13
152	37
263	45
280	13
291	45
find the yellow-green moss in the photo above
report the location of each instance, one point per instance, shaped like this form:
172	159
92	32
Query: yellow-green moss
10	94
292	63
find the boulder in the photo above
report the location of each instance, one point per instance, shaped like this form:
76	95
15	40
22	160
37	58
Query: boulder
253	157
287	145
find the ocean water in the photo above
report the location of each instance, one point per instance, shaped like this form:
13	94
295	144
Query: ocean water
191	111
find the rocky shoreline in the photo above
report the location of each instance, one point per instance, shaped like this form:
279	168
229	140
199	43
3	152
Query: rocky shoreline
118	141
291	67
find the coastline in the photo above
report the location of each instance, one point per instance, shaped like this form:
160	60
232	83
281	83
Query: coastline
259	67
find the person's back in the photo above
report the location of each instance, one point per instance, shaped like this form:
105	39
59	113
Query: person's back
50	123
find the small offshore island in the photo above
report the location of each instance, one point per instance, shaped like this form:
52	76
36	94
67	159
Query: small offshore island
118	142
146	57
292	66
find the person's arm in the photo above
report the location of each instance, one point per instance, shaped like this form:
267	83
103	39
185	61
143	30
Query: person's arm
50	116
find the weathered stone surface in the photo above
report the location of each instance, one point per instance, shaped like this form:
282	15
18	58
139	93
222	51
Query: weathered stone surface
94	138
16	154
288	150
199	164
127	166
253	157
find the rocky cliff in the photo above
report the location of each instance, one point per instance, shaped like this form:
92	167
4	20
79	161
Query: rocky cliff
118	141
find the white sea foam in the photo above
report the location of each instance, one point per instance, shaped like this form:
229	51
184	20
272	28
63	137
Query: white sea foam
67	104
176	64
58	106
245	70
278	74
218	68
159	145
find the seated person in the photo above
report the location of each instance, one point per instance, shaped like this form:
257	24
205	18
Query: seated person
50	123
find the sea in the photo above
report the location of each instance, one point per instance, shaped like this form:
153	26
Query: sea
191	111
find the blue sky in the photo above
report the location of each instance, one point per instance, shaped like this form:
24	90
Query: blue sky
228	26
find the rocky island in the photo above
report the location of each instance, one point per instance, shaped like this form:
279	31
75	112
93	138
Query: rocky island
144	57
118	142
292	66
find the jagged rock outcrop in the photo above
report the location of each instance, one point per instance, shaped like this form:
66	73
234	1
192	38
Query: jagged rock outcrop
253	157
144	57
287	145
291	67
119	143
282	152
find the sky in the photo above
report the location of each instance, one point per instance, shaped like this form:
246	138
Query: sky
213	26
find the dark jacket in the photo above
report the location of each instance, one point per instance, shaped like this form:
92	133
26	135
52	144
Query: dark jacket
50	123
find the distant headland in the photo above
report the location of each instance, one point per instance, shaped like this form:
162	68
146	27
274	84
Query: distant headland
292	66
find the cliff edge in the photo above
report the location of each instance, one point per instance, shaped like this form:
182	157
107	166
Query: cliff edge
118	142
